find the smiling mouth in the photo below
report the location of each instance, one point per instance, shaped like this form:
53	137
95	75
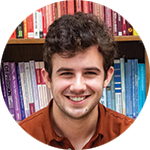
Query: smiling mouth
77	99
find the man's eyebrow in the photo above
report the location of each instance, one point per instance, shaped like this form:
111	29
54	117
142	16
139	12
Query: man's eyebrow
64	69
92	68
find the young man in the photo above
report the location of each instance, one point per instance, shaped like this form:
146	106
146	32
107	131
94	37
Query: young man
78	56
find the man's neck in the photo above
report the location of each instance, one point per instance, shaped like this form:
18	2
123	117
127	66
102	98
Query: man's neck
77	131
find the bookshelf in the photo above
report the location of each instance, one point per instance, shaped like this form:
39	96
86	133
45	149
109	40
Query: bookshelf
41	41
25	49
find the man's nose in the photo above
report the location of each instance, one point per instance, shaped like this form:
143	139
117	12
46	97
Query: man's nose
78	85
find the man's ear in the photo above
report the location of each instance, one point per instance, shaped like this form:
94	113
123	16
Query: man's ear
108	77
46	77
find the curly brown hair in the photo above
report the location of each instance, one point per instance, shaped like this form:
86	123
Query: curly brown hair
71	34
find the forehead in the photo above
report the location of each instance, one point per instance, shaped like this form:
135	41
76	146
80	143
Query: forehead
89	57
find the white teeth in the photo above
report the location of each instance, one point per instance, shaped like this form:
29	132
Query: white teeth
77	98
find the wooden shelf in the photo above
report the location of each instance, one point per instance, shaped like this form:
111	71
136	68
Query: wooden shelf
41	41
26	41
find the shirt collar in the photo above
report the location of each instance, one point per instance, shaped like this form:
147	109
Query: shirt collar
51	135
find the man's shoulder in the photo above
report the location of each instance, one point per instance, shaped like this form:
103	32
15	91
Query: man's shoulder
118	116
115	121
33	121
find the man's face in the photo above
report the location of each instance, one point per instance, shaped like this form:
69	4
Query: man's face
77	83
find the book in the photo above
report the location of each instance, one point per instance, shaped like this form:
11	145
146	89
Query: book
113	101
15	91
129	28
108	97
34	85
129	102
20	31
40	22
124	27
44	87
123	95
134	32
29	87
44	21
39	84
36	24
108	18
8	83
115	23
117	80
85	6
133	88
23	116
119	25
13	35
30	28
78	6
58	9
136	88
143	82
25	34
63	5
3	85
71	7
24	86
103	100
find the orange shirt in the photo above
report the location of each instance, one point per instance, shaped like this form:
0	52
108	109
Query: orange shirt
110	125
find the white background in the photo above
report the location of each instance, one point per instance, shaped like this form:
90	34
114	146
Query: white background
13	12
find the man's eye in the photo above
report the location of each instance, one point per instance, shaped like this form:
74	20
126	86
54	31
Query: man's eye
66	73
91	73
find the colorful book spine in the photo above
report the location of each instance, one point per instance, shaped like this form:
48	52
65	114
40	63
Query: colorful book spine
39	84
36	26
117	79
34	85
19	31
78	6
13	35
140	104
91	7
115	22
58	9
85	6
143	82
133	88
20	94
124	27
103	100
44	87
134	32
44	21
7	76
3	85
30	28
71	6
40	22
136	88
108	97
129	28
119	25
123	95
63	7
25	28
15	92
113	101
30	90
129	103
108	18
24	88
